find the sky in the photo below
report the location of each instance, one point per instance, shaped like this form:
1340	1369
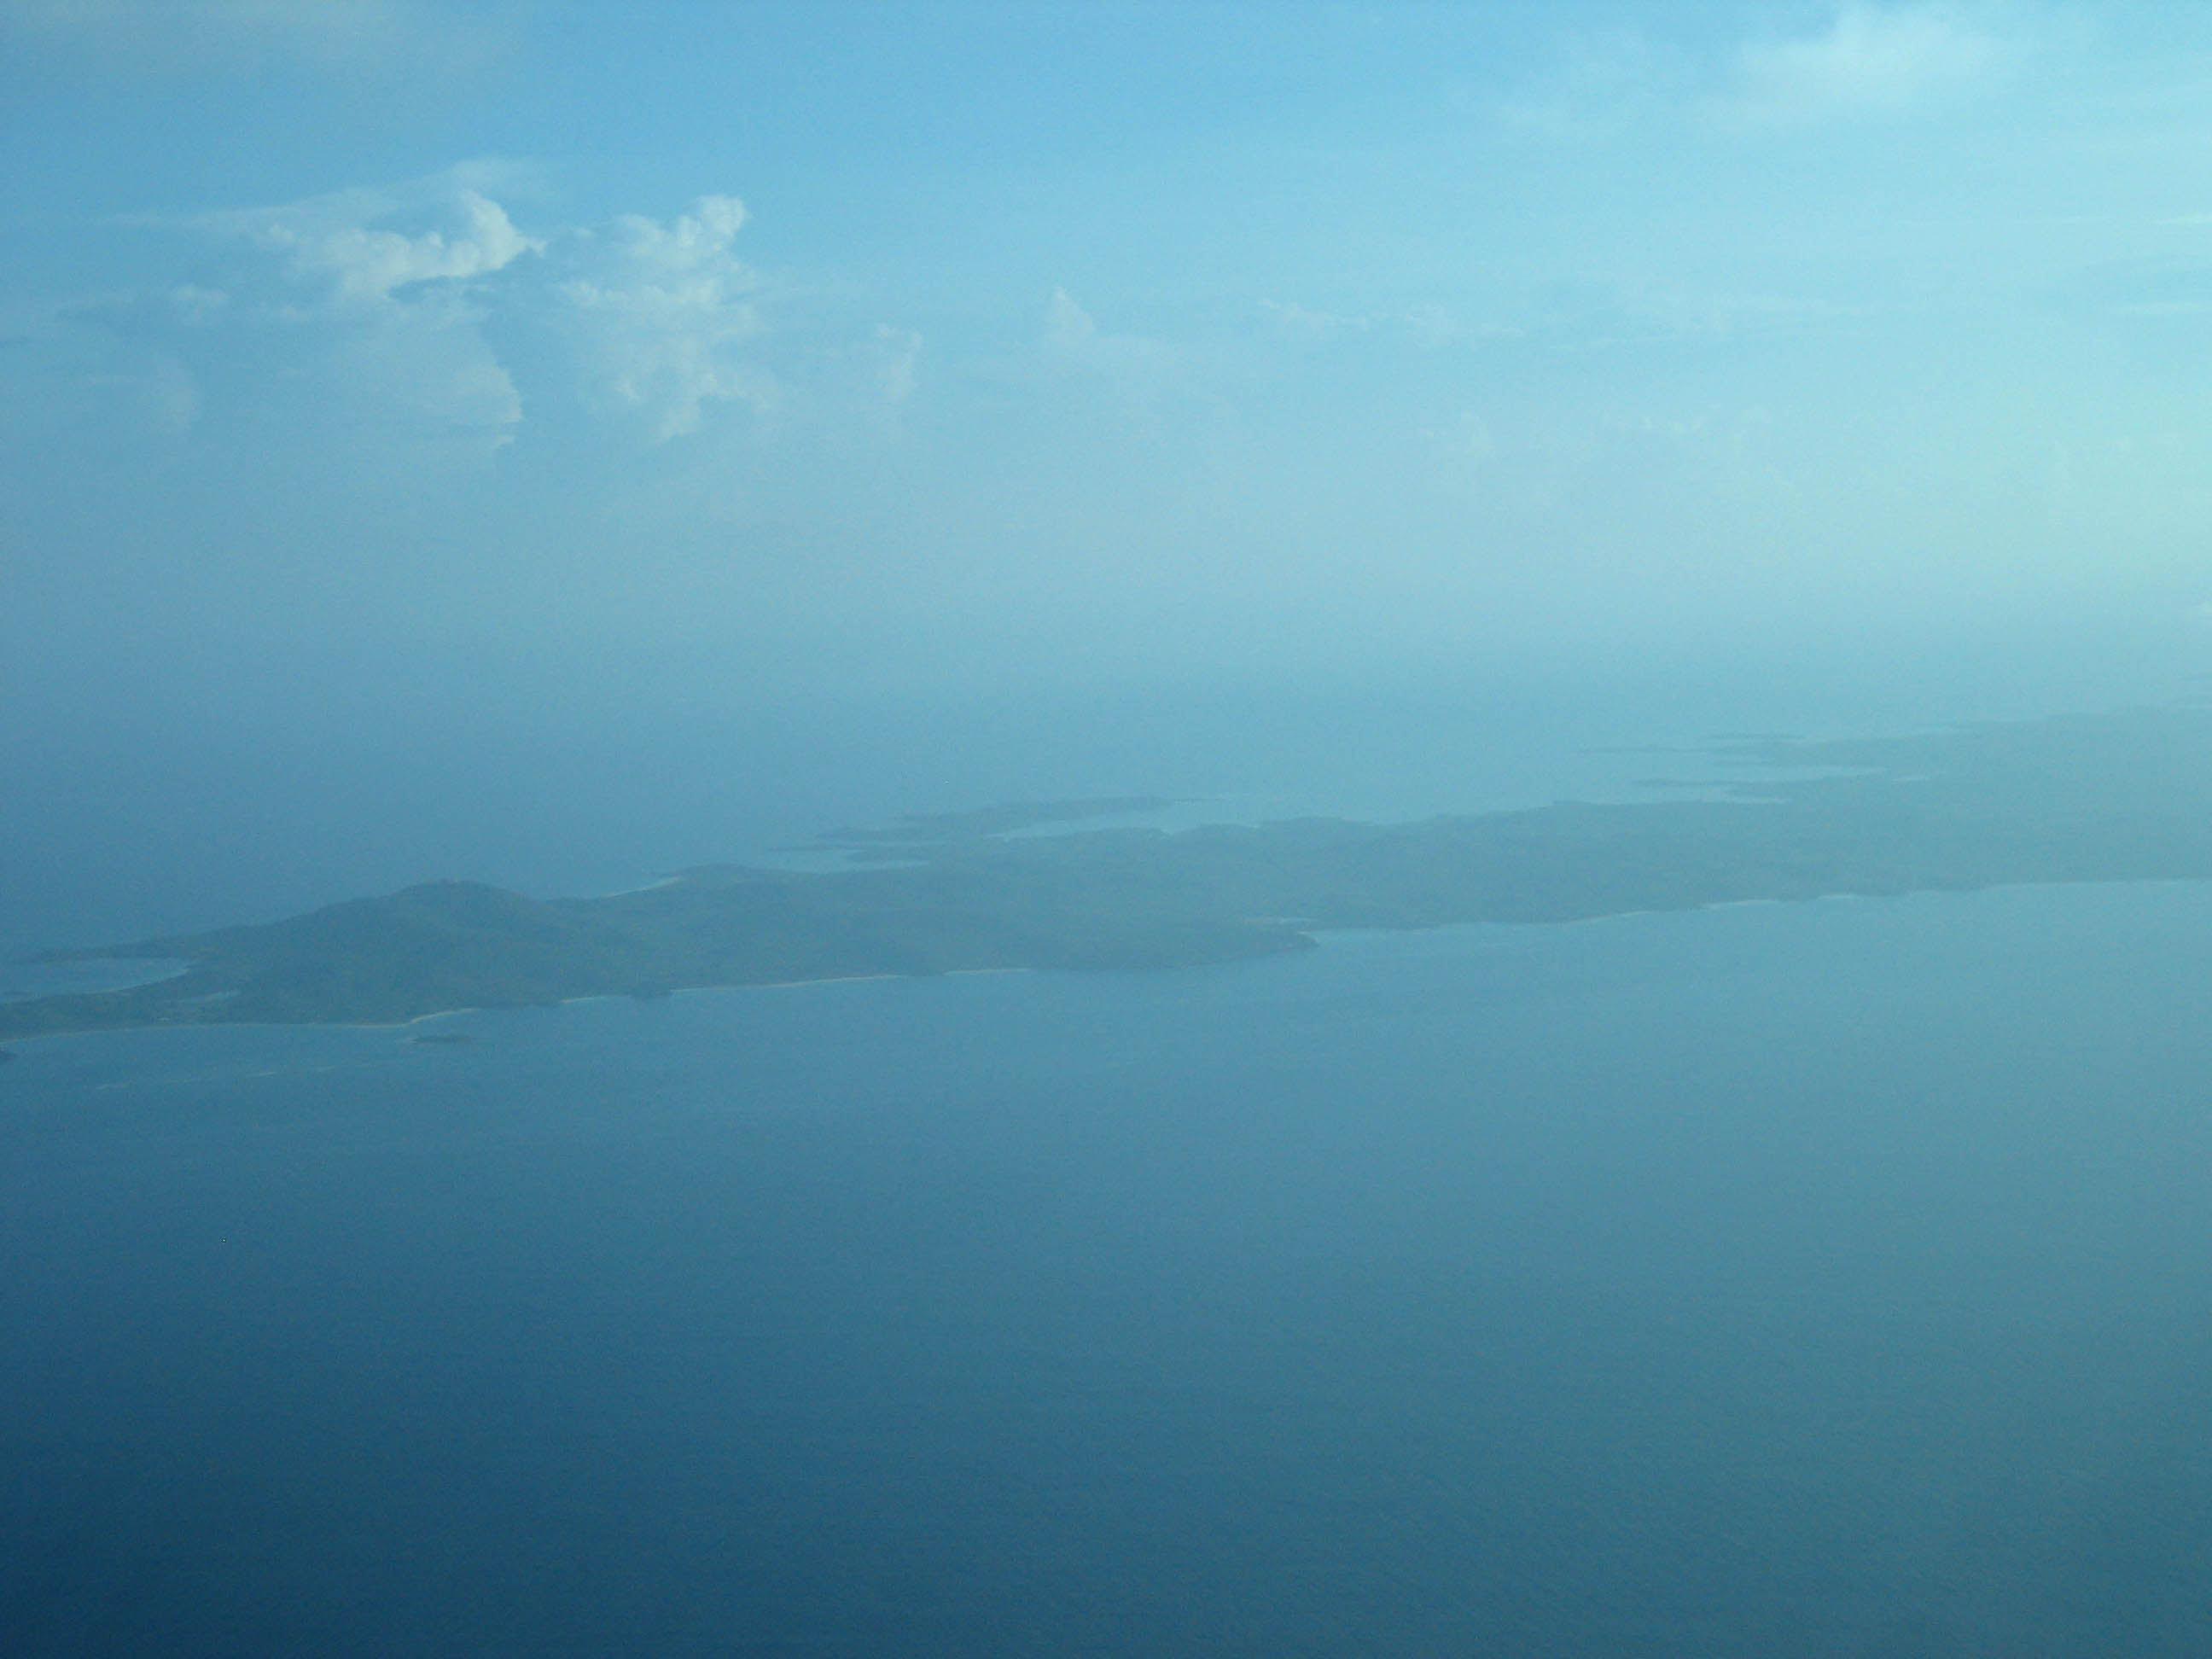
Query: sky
362	362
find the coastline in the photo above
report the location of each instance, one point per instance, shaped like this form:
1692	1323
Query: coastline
9	1045
2125	796
15	1047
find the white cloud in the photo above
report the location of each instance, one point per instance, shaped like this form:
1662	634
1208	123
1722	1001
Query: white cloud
1870	60
652	315
427	297
376	296
417	328
336	242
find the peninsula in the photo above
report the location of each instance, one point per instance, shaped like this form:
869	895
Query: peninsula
2117	796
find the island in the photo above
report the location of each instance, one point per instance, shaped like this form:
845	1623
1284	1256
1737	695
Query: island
2125	796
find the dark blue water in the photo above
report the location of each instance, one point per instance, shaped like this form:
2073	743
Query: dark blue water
1825	1279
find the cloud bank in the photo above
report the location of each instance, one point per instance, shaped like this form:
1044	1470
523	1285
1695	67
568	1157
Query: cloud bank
427	300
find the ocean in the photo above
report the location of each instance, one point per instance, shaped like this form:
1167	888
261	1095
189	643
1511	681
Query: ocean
1814	1280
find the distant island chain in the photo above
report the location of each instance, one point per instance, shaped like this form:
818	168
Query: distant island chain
2117	796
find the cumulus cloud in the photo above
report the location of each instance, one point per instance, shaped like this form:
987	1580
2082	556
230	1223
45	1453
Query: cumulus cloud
369	263
373	298
348	245
1869	60
427	299
651	315
424	324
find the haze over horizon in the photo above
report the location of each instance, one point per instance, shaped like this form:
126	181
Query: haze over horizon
387	378
1481	1182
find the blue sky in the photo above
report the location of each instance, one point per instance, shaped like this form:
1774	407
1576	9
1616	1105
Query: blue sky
359	344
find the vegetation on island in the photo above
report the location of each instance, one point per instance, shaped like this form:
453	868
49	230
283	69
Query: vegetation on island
2111	797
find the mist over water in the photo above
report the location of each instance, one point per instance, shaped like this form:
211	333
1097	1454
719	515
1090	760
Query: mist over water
555	445
131	822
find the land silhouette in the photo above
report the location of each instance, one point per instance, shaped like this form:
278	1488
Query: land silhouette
2118	796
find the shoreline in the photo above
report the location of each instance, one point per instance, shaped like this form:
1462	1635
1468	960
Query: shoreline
12	1045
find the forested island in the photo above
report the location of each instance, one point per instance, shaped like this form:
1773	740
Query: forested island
2118	796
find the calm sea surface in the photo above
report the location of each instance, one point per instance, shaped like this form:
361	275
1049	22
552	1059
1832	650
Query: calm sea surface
1820	1279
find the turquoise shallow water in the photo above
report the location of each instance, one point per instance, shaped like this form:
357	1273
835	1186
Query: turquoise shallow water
1825	1279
